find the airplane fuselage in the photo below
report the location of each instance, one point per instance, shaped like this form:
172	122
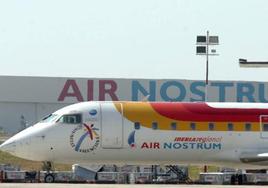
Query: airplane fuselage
226	134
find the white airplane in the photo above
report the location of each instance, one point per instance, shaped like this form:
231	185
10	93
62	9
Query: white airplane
223	134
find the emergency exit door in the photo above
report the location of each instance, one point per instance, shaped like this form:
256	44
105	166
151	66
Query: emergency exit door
264	126
111	126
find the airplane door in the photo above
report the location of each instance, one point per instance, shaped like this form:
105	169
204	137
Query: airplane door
111	126
264	126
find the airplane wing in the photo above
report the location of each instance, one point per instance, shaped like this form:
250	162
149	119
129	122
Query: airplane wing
255	158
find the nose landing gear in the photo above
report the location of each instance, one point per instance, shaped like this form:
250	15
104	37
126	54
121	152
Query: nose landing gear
49	168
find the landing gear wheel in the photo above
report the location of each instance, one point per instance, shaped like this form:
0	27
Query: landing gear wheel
49	178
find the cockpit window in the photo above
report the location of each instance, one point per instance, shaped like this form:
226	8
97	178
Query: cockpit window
71	119
49	118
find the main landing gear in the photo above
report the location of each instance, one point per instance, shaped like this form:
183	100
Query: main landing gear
49	168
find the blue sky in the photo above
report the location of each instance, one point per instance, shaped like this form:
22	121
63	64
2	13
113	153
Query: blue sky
131	39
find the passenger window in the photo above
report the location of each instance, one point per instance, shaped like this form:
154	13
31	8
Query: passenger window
193	126
247	127
265	127
137	125
173	125
230	127
154	125
211	126
71	119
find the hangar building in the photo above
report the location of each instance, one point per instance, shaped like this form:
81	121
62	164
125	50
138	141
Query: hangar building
25	100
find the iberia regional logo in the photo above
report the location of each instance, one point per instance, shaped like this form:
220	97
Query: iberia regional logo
85	138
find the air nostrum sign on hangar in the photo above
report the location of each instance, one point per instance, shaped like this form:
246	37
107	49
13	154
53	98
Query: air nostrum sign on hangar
24	100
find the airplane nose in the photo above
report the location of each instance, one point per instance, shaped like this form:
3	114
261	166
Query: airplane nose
20	145
9	147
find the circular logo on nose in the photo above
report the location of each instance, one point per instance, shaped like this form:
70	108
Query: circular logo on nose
85	138
93	112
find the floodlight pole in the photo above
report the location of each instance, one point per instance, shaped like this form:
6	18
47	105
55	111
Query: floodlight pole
207	50
202	48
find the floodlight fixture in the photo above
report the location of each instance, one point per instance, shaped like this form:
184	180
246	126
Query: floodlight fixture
201	39
213	40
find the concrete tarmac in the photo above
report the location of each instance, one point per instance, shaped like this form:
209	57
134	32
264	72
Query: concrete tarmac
59	185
